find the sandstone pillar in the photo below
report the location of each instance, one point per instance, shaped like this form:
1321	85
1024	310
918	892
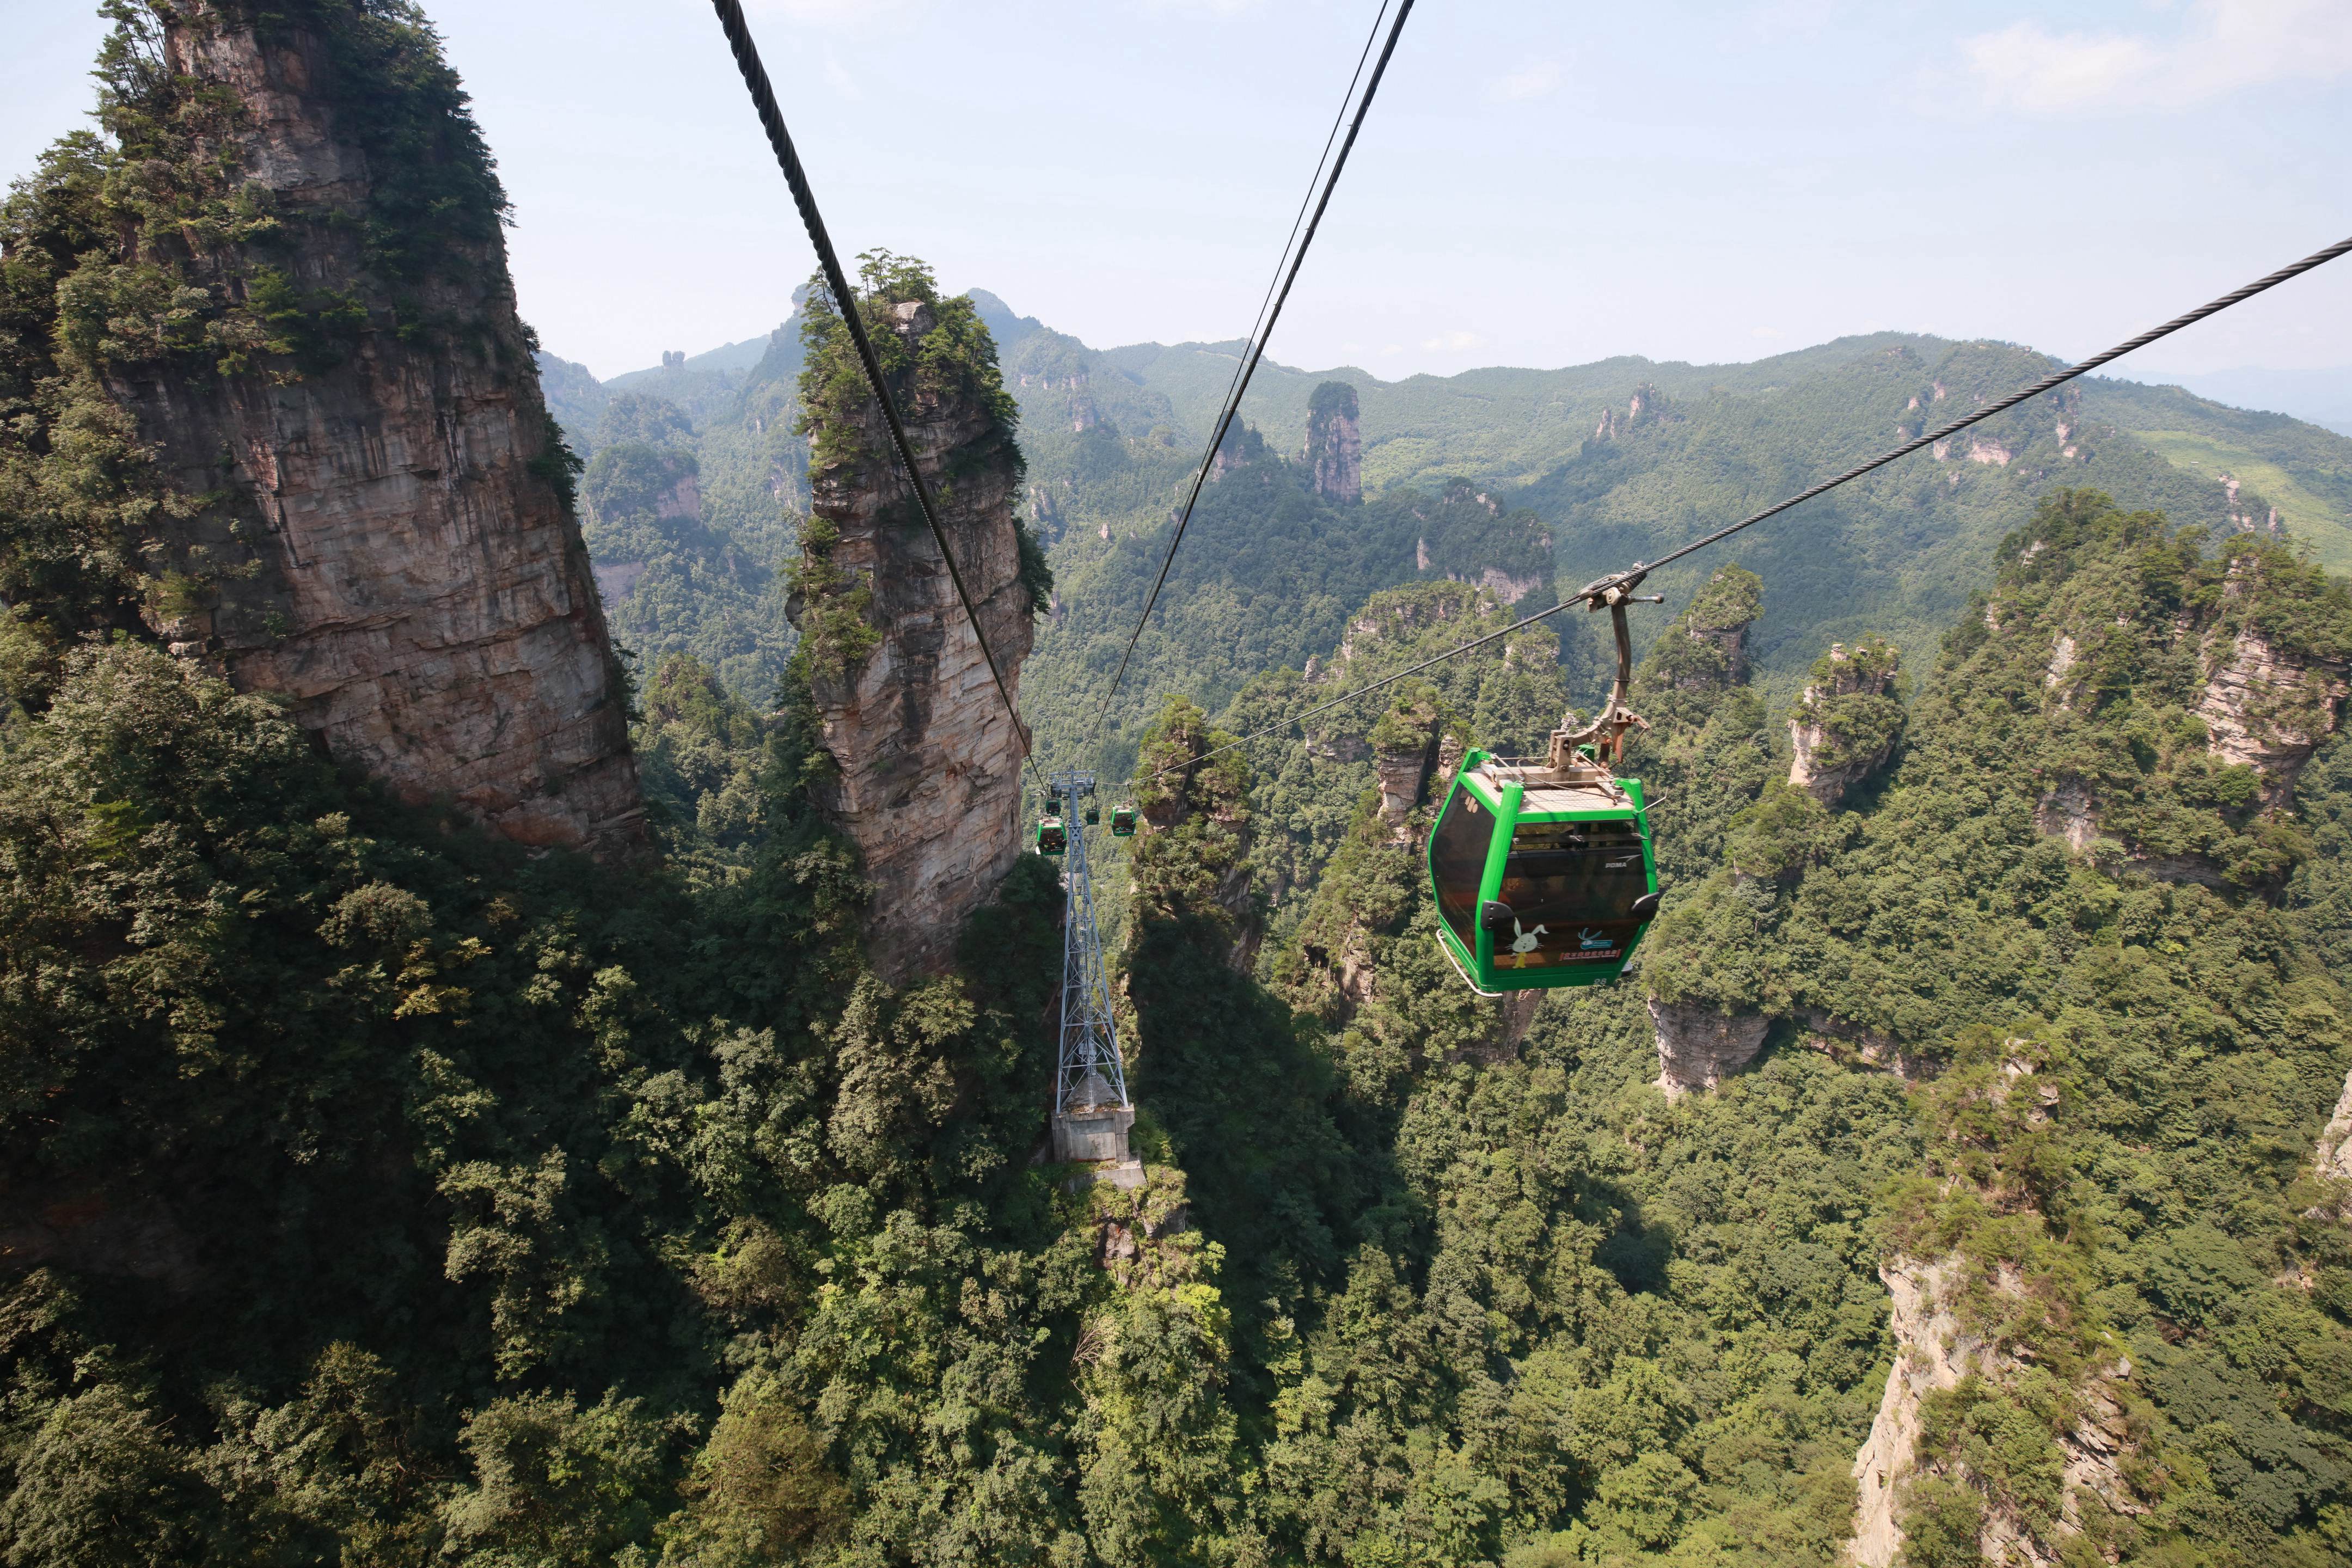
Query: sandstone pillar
928	762
377	522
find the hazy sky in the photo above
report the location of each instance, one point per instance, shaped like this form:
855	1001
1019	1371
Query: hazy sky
1539	183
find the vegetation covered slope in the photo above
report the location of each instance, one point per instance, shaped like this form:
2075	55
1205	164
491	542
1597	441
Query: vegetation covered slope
376	1193
1614	460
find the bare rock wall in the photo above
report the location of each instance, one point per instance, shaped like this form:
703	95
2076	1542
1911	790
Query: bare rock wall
1698	1047
386	546
929	761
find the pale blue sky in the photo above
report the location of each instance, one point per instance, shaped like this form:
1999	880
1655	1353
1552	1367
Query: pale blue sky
1541	184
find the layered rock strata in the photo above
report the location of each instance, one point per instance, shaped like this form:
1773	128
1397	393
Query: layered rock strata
2268	710
1935	1352
380	532
928	759
1334	442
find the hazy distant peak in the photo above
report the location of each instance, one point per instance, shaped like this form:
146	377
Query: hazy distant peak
1002	325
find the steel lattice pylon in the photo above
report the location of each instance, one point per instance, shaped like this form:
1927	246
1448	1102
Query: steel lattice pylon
1091	1079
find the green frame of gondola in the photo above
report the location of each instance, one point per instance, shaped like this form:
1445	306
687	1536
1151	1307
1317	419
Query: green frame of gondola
1478	967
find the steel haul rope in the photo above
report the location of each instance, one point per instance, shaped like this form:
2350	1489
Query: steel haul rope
1591	591
1307	199
771	118
1240	385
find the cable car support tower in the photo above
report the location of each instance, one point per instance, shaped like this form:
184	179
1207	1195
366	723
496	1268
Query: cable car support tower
1092	1113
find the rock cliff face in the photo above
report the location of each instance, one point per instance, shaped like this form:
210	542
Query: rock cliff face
1706	649
1934	1351
1404	750
1698	1047
927	761
375	521
1243	447
2268	710
1334	442
1846	723
2333	1157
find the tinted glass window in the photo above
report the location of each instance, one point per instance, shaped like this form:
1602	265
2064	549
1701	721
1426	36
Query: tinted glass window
1571	886
1457	858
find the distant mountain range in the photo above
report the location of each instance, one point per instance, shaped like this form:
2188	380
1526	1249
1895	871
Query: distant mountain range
2320	396
1615	461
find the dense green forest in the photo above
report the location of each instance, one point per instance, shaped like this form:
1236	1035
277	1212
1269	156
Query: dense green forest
377	1192
1605	463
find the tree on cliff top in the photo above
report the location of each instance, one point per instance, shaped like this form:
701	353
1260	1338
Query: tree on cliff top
955	361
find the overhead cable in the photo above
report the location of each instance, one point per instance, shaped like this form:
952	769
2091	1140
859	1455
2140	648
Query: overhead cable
1592	591
771	118
1256	348
1305	199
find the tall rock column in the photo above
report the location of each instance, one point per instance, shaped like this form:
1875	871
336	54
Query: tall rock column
1847	721
286	302
1706	649
927	761
1334	442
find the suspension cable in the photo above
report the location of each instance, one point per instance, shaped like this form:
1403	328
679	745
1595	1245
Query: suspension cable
771	118
1240	385
1592	591
1306	198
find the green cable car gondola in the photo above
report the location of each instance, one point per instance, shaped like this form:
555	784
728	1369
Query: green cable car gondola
1543	871
1052	838
1122	821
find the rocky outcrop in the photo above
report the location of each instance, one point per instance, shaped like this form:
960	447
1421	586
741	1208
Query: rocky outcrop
1646	405
2333	1157
1706	647
1210	875
1855	1046
380	530
2268	710
1700	1047
927	760
1334	443
1242	448
1934	1351
1507	588
1721	621
1404	750
2065	811
1847	721
1930	1353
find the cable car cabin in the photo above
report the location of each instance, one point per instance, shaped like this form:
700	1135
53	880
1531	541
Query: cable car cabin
1052	838
1543	876
1122	822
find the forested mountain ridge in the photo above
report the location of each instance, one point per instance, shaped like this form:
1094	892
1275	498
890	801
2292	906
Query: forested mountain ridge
1953	1179
2074	1079
1615	460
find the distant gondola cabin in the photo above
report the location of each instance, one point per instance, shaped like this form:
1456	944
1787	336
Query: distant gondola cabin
1543	877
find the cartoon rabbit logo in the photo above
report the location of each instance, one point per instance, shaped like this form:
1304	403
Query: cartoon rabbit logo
1589	939
1523	940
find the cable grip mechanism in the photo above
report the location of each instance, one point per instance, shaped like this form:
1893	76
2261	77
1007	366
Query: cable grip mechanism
1605	736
